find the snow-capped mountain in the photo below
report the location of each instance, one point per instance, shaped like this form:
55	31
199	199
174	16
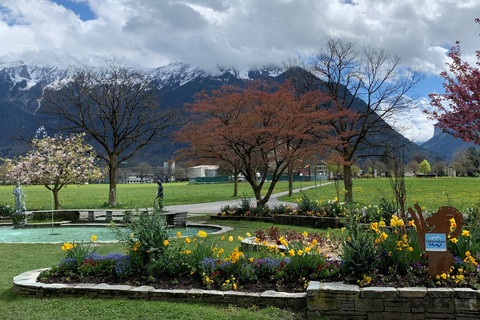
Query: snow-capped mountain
21	87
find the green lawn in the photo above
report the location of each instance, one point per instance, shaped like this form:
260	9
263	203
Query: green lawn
95	196
431	193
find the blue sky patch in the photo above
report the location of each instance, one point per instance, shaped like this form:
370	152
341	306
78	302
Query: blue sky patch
80	8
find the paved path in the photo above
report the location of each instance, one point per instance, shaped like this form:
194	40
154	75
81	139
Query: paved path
214	207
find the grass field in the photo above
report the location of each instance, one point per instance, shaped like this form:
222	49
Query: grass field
431	193
18	258
95	196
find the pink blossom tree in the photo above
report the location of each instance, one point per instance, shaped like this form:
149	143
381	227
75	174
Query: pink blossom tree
459	107
55	162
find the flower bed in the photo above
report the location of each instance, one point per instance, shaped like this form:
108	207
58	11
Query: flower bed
383	256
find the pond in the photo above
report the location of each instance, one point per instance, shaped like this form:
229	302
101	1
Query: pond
63	234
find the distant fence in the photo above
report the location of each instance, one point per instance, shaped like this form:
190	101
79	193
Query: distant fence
221	179
428	175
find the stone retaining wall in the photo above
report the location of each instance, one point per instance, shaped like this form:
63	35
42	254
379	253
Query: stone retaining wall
332	301
25	284
342	301
306	221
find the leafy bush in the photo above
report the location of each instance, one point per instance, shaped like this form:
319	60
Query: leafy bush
57	216
6	210
149	231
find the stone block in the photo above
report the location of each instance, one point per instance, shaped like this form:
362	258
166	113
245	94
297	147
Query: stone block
140	293
395	316
412	292
368	305
375	292
168	295
339	288
194	295
440	293
213	296
465	293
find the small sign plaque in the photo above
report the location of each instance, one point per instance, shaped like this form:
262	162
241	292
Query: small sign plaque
435	242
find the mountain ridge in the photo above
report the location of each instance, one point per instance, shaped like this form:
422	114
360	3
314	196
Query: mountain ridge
22	85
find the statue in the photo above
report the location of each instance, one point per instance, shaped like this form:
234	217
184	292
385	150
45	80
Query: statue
158	202
160	190
19	216
18	193
438	223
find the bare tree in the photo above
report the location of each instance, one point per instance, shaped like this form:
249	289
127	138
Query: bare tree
117	107
413	166
350	76
143	169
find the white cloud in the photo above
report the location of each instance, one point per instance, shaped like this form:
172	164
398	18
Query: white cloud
233	33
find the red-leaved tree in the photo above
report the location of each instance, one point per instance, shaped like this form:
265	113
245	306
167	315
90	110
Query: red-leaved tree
258	130
459	106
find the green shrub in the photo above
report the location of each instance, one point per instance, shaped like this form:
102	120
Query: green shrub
57	216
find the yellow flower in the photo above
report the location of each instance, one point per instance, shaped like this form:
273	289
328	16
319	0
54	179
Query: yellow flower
222	238
240	238
187	240
307	249
300	252
67	246
454	240
410	249
374	226
248	234
443	275
305	234
411	223
165	243
381	224
202	234
291	252
264	243
384	236
93	238
131	235
343	229
257	240
230	239
179	234
465	233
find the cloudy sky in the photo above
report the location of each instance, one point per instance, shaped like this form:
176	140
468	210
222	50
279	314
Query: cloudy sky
237	33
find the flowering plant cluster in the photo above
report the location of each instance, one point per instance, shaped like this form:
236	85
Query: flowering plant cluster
384	253
389	254
306	207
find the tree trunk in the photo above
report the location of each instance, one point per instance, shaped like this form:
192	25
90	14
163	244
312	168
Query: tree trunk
112	196
290	179
55	199
258	196
348	183
235	184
